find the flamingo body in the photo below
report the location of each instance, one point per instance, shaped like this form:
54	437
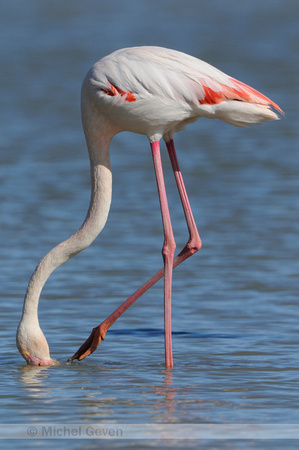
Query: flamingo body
156	92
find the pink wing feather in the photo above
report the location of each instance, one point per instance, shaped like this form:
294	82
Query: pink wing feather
241	92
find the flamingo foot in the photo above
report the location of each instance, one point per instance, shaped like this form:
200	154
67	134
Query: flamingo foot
90	345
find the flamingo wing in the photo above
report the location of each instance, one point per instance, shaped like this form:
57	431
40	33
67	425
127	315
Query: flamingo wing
141	72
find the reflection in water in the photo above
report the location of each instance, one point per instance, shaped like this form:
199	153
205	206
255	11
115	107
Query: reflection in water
166	394
33	379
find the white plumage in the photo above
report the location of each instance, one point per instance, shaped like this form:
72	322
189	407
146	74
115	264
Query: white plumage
172	89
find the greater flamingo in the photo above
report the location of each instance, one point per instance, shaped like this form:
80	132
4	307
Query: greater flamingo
152	91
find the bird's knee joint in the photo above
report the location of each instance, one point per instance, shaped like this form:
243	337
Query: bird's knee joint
168	249
194	246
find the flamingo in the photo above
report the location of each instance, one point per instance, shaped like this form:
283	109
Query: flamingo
156	92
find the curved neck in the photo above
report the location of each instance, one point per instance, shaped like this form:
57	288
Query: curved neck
101	191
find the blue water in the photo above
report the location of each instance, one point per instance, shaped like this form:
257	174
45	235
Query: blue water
235	303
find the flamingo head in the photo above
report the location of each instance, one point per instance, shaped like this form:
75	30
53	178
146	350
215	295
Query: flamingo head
33	346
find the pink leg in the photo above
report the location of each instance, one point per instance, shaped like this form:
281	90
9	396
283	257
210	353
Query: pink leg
194	242
193	245
167	252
